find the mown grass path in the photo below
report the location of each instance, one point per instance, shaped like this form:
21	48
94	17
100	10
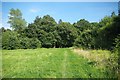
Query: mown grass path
47	63
64	64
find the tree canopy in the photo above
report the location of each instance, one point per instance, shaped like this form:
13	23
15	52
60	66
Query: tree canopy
16	21
48	33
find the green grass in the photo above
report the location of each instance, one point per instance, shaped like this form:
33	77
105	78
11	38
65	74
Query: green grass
47	63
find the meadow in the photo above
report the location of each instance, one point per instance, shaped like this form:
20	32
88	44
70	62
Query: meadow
46	47
52	63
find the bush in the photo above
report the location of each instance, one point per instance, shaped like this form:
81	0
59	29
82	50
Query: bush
34	43
10	40
29	43
85	40
24	42
117	51
113	66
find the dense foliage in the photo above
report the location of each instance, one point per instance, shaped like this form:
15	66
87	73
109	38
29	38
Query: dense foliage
46	32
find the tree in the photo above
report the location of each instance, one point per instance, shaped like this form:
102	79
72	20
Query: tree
60	21
10	40
16	21
87	32
85	40
82	25
31	31
113	14
34	43
48	40
67	33
108	31
29	43
46	32
2	29
43	29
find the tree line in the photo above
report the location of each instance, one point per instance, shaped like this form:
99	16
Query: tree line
46	32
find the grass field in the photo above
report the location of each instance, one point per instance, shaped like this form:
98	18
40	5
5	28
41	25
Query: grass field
47	63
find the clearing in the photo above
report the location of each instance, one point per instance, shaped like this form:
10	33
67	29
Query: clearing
48	63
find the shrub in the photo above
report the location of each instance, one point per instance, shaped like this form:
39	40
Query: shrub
29	43
114	60
34	43
24	42
10	40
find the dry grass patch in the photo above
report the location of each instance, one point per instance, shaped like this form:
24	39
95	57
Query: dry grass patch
96	57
